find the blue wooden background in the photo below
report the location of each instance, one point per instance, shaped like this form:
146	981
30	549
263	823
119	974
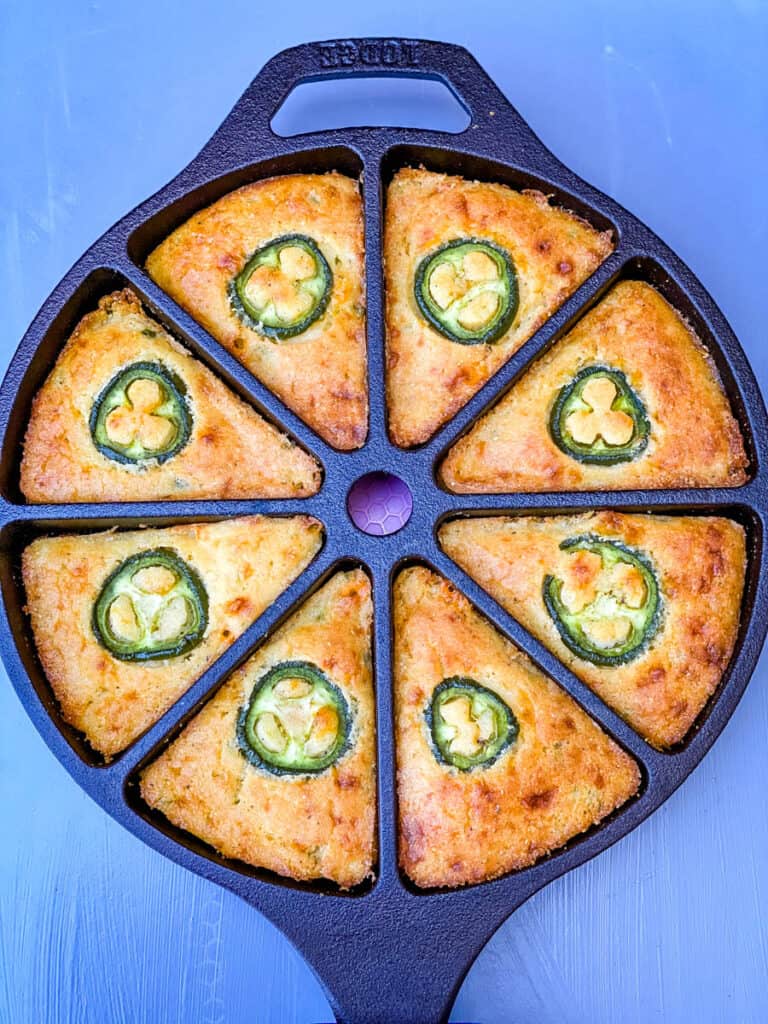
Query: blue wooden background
660	104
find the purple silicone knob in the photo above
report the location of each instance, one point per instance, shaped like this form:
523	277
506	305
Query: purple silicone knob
380	503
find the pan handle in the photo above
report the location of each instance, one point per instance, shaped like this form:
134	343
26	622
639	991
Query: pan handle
374	57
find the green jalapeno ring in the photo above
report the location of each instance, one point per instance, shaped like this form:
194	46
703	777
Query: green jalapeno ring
174	408
293	759
644	621
599	452
506	726
188	586
319	287
445	321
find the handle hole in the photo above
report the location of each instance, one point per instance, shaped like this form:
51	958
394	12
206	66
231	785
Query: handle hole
364	102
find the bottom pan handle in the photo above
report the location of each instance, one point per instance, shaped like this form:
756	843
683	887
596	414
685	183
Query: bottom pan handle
391	962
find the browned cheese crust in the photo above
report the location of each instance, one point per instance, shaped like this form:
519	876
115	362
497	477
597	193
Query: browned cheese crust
694	440
232	451
700	562
243	564
561	775
302	826
321	373
429	377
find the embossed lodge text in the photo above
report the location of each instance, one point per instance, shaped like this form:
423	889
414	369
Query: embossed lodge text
369	53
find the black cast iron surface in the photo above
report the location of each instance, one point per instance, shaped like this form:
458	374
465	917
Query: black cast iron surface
386	953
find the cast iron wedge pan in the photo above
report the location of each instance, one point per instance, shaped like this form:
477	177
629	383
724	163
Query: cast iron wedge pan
386	951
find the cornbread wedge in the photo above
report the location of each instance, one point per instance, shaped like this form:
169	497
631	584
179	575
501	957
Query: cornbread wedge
430	376
88	598
692	438
224	448
315	821
315	362
643	608
559	775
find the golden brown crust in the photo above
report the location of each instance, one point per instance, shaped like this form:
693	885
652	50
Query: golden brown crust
320	374
429	377
562	775
232	451
305	827
694	441
700	562
243	563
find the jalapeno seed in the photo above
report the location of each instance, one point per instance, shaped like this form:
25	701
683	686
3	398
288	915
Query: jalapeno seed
470	726
284	287
606	607
296	721
600	418
141	415
152	606
467	290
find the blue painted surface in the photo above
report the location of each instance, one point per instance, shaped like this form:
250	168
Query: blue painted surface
663	107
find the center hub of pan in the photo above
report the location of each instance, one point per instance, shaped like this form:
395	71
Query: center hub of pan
379	503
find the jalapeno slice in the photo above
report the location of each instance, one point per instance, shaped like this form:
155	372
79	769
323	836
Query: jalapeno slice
154	605
296	722
141	415
599	418
467	290
470	725
608	608
283	288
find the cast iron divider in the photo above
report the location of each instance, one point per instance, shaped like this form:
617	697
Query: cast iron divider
572	310
219	359
549	663
222	667
373	215
132	512
565	502
385	743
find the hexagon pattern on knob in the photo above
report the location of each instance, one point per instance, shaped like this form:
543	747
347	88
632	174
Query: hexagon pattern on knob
380	504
